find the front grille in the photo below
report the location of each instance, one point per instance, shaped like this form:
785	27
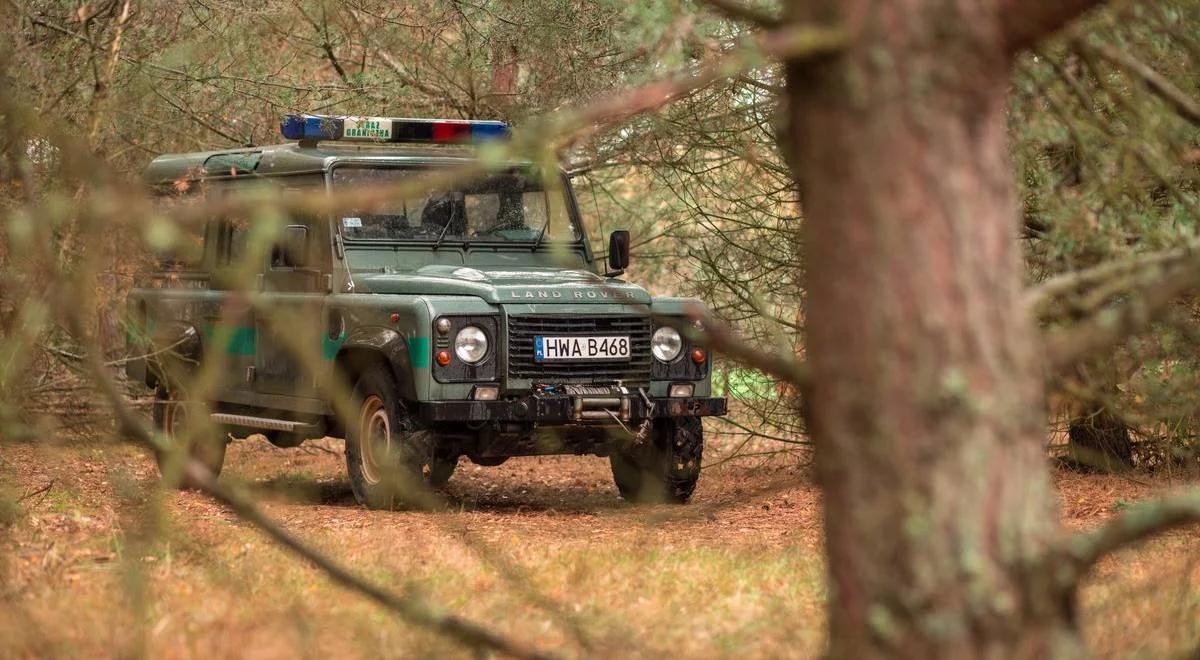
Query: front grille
522	330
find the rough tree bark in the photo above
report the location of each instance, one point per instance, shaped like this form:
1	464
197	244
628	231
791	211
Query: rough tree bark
927	410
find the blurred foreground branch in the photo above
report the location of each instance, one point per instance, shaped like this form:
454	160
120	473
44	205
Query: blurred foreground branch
721	338
740	11
461	630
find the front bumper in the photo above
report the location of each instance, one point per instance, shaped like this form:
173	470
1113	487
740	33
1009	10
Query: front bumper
568	409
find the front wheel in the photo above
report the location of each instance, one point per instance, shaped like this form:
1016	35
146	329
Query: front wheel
182	423
390	458
663	467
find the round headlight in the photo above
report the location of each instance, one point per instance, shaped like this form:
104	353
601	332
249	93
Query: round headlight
666	344
471	344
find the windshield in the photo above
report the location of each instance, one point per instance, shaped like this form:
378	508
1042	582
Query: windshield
512	206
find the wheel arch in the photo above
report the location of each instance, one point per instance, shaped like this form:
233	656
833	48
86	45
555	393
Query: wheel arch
178	349
368	347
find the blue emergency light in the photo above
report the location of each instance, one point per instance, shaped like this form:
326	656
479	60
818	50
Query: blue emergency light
390	129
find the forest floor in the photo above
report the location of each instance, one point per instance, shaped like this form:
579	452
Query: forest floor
540	548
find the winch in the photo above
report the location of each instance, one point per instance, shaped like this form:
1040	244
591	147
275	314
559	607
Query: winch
599	402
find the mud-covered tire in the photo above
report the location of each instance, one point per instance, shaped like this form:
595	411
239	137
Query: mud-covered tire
665	467
172	414
391	460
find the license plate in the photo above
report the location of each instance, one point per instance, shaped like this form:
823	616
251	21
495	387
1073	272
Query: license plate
548	349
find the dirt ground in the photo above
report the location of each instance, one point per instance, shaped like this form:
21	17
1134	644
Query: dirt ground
95	562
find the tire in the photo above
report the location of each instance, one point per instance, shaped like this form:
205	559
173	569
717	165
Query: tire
283	439
391	460
665	467
173	415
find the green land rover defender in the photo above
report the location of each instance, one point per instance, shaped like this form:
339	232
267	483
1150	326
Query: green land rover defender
468	319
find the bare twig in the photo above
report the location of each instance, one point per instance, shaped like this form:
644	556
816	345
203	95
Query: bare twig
43	489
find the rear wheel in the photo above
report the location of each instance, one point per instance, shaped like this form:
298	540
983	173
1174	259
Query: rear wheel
390	458
664	467
182	422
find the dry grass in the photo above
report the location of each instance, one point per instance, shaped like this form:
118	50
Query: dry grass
1143	602
737	573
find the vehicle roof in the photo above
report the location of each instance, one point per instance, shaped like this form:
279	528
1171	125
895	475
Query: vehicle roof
295	158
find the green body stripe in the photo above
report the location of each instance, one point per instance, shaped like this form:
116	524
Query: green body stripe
330	346
418	352
243	339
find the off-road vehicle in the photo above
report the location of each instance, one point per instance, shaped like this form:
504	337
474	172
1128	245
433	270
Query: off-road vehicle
471	319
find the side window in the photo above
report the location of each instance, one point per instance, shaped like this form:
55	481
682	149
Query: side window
299	245
187	253
229	252
231	231
237	231
293	248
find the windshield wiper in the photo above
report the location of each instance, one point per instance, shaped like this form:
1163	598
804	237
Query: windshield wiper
541	235
445	228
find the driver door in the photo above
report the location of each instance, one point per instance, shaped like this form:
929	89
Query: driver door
288	319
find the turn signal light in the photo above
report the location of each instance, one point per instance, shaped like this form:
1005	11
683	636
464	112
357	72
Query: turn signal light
443	358
699	356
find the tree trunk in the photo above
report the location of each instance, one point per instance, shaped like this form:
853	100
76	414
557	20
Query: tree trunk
1099	440
927	410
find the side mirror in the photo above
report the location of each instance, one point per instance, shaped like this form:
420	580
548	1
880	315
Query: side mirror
292	251
618	250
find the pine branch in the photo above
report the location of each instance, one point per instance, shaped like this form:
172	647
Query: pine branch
720	338
1111	325
1180	102
1081	551
1040	297
791	43
1145	286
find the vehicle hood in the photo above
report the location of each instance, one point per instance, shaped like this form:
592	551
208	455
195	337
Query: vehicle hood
506	284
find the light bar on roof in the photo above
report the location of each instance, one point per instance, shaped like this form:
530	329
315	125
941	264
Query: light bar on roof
389	129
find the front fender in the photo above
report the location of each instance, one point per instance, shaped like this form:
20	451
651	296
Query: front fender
674	306
388	344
